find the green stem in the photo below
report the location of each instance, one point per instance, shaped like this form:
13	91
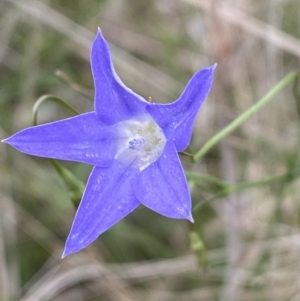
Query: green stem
75	186
243	117
73	85
47	98
242	186
198	177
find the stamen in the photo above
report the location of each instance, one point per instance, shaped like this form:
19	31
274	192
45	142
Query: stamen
136	144
140	141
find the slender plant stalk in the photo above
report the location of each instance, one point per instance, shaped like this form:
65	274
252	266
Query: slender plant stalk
243	117
199	177
75	186
47	98
242	186
73	85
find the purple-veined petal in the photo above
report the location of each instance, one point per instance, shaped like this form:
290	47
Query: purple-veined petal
82	138
162	186
177	118
107	199
114	102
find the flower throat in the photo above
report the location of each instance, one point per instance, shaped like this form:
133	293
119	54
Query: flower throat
140	140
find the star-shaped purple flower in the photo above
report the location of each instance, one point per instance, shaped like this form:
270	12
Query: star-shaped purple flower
133	145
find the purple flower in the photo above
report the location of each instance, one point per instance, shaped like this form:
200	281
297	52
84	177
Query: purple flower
133	145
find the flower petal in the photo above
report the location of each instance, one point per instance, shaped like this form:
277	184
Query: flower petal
108	198
114	102
82	138
163	188
177	118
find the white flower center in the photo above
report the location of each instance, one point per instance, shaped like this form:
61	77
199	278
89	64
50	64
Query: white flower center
139	140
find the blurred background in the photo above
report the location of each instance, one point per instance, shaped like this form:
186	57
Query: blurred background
245	243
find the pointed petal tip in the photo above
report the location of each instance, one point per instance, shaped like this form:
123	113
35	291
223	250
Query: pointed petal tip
72	246
8	141
67	251
99	38
212	67
65	254
191	219
99	32
99	35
